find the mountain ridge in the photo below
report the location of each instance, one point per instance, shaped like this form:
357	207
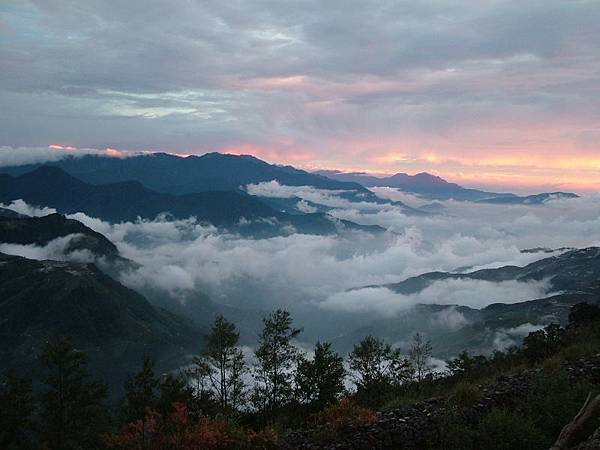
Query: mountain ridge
178	175
574	270
108	320
130	200
436	188
573	277
42	230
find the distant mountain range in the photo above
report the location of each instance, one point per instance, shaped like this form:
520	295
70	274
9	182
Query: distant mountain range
176	175
572	271
436	188
171	174
573	277
126	201
453	329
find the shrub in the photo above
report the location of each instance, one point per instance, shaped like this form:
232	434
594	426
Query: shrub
466	394
345	415
400	402
453	433
553	401
584	313
265	439
543	343
210	435
504	430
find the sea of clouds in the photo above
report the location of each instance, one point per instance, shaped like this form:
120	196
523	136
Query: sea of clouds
333	284
323	278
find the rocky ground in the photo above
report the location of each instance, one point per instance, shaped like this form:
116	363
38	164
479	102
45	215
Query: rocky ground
410	427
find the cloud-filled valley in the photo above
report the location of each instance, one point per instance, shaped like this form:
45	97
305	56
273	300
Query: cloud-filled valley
320	277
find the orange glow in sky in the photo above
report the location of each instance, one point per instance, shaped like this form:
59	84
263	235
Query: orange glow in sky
520	171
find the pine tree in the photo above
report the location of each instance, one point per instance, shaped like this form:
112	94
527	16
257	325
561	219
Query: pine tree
141	398
276	357
73	413
141	392
223	363
173	389
320	381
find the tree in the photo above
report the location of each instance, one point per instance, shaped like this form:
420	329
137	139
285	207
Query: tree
197	373
141	391
583	313
223	363
377	367
420	357
73	413
141	395
173	389
17	405
543	343
320	381
276	356
465	365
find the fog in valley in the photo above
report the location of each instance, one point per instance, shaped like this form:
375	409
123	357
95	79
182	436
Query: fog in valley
332	284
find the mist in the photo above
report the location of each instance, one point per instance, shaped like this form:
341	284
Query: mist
58	249
324	280
19	156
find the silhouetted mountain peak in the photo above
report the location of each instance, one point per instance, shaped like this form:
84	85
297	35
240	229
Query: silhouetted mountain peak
51	173
229	157
161	155
428	176
172	174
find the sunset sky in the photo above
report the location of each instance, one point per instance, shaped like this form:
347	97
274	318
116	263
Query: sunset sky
496	94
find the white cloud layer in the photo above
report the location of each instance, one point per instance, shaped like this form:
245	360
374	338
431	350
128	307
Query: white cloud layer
323	197
57	250
508	337
10	156
21	207
315	273
179	256
449	318
473	293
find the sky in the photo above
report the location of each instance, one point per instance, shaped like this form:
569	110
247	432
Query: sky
493	94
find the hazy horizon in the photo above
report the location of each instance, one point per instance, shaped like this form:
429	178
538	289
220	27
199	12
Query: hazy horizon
28	155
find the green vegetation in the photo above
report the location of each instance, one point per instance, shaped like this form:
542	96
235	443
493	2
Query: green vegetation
208	405
275	357
378	369
320	381
114	325
222	363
